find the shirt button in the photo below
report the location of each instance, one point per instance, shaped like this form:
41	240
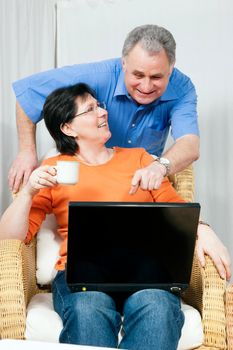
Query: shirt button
129	141
133	125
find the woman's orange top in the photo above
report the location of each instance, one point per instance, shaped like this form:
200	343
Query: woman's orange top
106	182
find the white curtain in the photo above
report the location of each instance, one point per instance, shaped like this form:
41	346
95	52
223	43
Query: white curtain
91	30
27	45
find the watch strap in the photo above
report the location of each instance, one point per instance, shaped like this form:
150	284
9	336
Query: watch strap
167	165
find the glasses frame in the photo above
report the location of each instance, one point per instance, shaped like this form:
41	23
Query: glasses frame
99	105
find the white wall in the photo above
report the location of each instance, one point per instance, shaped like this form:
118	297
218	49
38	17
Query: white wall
203	32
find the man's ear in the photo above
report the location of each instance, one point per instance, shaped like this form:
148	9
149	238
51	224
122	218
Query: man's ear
171	68
67	130
123	62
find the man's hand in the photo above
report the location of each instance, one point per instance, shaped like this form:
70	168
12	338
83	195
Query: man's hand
25	162
208	243
148	178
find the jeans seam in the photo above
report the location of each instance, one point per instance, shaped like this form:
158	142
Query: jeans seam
63	307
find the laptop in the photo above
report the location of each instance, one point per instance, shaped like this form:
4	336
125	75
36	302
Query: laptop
126	247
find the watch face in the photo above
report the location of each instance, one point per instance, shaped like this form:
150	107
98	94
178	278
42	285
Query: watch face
164	161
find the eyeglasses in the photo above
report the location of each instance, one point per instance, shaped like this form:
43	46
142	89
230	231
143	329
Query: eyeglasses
93	109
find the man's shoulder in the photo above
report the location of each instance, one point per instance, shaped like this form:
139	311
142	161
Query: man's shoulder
178	76
112	64
180	82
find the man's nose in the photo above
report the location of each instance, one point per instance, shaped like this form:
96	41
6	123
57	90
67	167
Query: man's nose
146	86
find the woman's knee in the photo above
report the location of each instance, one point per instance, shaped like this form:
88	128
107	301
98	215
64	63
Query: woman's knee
92	311
89	301
156	303
148	296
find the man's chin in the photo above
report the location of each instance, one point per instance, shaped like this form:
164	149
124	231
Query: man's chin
144	100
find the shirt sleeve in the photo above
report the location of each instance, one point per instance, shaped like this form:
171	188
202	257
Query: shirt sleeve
41	205
184	113
32	91
166	193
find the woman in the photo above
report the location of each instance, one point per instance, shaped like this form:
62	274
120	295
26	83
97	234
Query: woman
79	125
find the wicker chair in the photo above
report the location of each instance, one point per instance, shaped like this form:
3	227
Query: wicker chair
207	291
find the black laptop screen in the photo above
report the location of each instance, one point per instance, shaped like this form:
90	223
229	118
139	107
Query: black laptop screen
130	243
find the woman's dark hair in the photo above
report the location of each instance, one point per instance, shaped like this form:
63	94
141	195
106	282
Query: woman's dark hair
60	108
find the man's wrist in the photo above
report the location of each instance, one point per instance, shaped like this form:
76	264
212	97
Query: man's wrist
165	162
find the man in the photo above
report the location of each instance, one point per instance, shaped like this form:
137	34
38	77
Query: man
145	96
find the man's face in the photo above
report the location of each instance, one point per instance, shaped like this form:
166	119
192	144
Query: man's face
146	76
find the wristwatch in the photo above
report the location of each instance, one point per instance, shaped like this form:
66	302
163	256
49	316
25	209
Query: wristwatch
166	162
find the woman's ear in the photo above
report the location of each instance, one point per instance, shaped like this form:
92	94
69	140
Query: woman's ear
67	130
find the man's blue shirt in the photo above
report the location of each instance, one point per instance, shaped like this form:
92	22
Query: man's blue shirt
131	125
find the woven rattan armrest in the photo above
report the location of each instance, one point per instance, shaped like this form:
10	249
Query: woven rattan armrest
17	286
229	316
207	290
183	182
207	293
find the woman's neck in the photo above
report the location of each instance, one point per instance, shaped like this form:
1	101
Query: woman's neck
95	155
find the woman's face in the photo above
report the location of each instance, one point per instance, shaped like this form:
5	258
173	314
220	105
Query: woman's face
90	122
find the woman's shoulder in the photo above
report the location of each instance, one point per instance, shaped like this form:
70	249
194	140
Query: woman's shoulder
130	151
53	160
137	156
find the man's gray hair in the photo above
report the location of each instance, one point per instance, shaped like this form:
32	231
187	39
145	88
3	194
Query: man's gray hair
153	39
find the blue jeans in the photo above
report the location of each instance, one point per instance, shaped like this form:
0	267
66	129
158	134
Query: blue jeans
152	318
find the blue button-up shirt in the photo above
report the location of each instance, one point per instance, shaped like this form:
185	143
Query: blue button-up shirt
131	125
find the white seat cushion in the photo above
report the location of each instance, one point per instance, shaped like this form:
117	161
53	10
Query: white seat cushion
48	244
192	334
44	324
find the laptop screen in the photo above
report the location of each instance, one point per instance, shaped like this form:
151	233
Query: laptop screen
130	246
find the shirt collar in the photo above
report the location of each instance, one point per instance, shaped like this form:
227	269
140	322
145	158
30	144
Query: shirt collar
120	87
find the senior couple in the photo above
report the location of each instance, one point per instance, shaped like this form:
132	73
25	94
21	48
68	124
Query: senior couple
144	96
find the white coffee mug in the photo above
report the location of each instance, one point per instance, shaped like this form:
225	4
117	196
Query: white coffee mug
67	172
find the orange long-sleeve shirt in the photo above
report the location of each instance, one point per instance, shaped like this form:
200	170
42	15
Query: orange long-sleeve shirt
106	182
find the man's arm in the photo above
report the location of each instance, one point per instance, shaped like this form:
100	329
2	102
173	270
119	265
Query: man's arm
26	160
185	149
181	154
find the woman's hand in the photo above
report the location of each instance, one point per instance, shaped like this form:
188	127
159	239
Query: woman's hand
208	243
42	177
